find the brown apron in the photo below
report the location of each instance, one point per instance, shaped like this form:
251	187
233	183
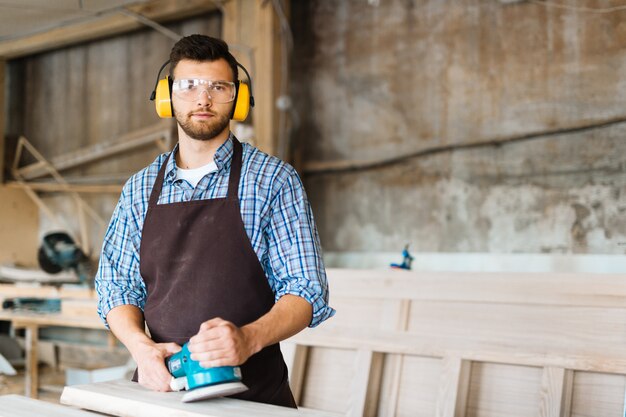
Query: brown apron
198	263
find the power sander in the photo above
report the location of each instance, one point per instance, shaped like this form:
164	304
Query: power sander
202	383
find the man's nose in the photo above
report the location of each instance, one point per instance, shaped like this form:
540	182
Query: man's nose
204	99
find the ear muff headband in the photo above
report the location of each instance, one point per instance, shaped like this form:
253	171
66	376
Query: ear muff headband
162	96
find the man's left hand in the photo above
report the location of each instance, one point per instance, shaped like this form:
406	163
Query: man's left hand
221	343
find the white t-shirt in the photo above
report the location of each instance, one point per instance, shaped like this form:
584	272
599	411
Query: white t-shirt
193	176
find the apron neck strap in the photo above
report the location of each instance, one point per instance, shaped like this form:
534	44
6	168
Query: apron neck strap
235	170
158	184
233	181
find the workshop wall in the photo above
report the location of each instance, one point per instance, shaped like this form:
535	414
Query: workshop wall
65	99
462	126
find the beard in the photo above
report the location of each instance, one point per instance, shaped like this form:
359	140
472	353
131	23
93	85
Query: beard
202	130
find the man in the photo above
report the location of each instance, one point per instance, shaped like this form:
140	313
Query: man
213	243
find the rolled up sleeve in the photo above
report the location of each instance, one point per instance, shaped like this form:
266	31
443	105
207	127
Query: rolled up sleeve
118	281
294	263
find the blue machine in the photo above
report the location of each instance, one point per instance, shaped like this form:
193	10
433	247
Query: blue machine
202	383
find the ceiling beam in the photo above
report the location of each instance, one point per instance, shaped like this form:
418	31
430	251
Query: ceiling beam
108	24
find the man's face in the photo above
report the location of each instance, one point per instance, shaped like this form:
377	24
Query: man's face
202	118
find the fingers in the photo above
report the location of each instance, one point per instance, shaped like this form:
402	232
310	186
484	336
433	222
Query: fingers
219	343
151	366
209	324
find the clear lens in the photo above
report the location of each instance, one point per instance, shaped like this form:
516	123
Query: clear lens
191	89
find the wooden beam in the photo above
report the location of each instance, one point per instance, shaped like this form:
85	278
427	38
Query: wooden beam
453	387
366	384
252	31
2	117
53	187
158	134
103	26
296	359
556	392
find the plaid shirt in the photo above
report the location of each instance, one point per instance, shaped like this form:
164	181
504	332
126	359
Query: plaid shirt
276	215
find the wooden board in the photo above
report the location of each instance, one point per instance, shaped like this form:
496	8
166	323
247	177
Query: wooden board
18	406
129	399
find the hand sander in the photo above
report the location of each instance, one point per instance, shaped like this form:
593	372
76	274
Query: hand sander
202	383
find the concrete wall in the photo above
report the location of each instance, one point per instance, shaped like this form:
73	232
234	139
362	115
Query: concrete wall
485	127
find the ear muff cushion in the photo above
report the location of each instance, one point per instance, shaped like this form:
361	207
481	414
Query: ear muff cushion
242	105
163	98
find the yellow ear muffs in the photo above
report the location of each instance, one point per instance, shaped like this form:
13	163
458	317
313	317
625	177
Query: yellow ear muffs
163	98
242	103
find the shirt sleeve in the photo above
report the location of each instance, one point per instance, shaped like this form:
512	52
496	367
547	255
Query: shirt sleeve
295	264
118	281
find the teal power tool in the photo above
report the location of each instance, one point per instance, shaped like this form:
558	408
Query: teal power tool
202	383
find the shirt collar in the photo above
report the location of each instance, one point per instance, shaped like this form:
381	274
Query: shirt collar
223	157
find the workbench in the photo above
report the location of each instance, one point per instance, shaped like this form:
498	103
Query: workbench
31	322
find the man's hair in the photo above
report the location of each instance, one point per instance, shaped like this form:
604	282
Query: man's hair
202	48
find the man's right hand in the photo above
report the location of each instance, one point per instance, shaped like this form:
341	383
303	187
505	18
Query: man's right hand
150	358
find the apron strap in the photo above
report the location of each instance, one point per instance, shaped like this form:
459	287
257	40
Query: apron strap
158	184
235	171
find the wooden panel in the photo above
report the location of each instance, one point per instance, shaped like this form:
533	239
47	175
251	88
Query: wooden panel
328	381
18	406
503	390
598	395
358	313
128	399
18	245
418	387
523	328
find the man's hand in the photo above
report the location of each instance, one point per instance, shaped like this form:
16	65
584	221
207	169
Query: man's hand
221	343
150	358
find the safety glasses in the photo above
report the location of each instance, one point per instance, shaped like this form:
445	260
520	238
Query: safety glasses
191	89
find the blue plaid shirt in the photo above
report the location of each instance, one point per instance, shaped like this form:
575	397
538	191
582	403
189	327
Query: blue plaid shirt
276	214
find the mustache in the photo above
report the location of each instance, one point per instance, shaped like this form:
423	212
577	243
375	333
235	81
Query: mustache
206	110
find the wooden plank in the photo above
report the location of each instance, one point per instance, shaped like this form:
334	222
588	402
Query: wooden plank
2	117
366	384
103	26
25	319
125	398
160	133
453	387
18	406
31	383
12	290
395	311
461	345
296	359
51	187
605	290
556	392
252	26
